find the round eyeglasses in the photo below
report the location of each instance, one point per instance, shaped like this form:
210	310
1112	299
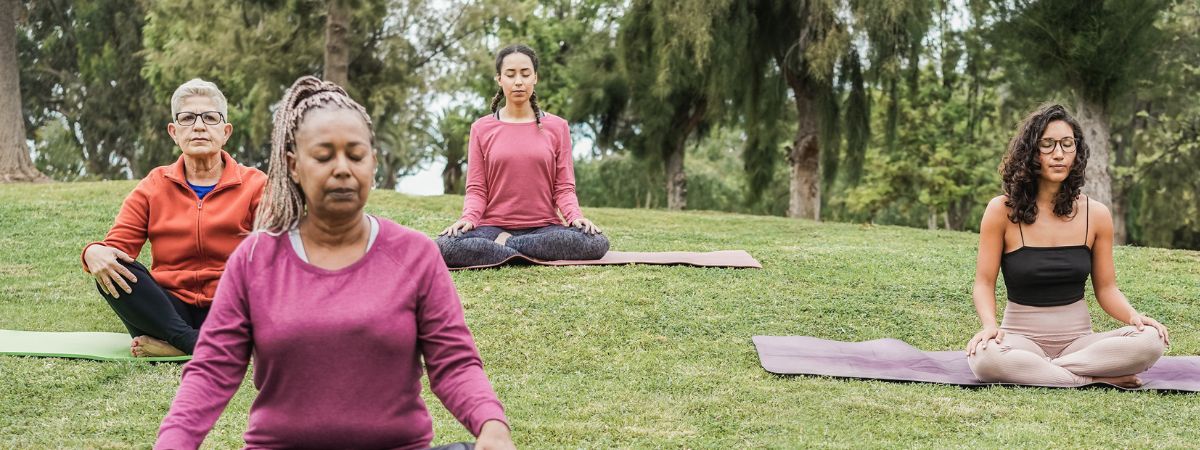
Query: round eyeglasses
1046	145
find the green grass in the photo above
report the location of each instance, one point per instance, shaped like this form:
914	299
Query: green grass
644	357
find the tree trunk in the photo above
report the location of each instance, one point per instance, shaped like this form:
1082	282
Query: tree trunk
676	177
804	156
956	213
387	180
452	178
337	51
687	118
1094	120
15	164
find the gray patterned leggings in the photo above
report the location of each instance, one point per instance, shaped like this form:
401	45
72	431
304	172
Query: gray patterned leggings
551	242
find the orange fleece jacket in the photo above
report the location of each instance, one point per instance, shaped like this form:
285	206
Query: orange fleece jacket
190	239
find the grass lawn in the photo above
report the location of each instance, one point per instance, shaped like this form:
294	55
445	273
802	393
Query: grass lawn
642	357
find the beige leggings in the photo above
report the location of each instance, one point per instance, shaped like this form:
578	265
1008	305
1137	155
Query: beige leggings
1055	346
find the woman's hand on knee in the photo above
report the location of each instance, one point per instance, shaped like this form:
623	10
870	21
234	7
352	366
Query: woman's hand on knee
494	436
983	336
104	263
1141	322
456	230
586	225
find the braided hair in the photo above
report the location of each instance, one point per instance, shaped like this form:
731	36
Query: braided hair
283	202
524	50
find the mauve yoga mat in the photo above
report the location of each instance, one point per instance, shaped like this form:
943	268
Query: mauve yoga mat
895	360
84	345
724	258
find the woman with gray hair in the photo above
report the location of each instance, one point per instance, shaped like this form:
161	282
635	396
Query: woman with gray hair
194	212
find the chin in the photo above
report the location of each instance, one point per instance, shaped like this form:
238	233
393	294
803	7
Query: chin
199	151
344	208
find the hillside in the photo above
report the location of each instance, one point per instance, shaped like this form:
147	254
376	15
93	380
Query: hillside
633	356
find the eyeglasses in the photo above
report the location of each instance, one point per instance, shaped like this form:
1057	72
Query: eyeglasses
1046	145
208	117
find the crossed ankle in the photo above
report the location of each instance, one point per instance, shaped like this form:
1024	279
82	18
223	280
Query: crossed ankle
502	238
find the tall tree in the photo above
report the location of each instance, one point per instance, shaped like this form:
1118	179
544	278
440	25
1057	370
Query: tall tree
664	47
337	46
1161	139
81	68
1097	50
453	131
15	164
805	44
395	52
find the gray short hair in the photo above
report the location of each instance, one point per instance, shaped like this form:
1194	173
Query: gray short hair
199	88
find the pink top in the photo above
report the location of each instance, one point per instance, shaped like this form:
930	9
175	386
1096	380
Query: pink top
337	354
518	176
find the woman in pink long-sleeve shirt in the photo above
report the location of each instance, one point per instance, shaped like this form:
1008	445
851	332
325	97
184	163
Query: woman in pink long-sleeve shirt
337	308
520	178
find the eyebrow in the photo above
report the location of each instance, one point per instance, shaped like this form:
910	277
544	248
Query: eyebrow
351	144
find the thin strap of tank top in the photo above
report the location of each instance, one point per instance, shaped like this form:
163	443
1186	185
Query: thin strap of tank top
1087	209
1022	233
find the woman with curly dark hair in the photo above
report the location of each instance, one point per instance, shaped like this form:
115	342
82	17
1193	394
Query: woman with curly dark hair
1047	239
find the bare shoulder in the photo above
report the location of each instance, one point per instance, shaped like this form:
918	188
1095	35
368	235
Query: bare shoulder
1096	209
1098	213
997	208
998	201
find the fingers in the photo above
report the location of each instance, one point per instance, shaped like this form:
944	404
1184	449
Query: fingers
125	274
999	336
120	281
106	283
1137	322
971	345
586	226
124	256
1162	331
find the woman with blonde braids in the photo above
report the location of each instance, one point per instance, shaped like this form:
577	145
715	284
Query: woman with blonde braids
520	177
337	308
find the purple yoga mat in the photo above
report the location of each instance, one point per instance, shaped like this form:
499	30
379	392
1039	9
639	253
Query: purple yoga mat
724	258
895	360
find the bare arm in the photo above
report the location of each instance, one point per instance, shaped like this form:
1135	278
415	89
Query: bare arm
1104	274
987	266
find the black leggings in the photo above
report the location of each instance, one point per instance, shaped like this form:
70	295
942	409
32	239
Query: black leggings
152	311
552	242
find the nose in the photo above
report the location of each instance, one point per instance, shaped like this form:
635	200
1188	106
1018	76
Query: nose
1059	151
342	168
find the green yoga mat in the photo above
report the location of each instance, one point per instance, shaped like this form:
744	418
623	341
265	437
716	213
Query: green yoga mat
85	345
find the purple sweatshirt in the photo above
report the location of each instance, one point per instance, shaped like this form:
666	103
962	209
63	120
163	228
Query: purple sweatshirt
337	353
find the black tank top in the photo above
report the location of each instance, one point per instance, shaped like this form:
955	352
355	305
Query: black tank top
1047	276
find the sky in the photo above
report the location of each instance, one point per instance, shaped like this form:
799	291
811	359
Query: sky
429	180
